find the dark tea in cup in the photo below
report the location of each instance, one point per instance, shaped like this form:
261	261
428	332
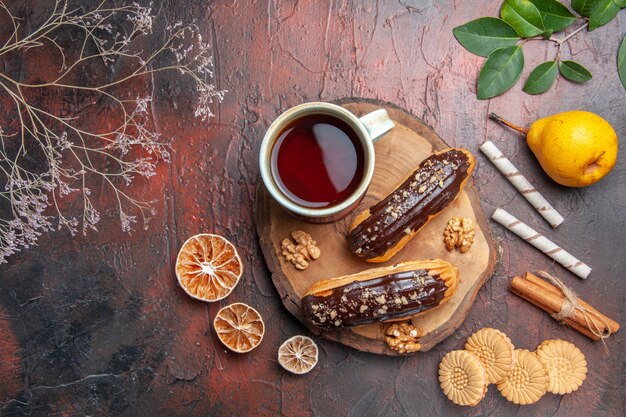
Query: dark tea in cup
317	161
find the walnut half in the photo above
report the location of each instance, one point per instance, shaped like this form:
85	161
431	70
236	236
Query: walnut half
301	252
459	233
403	337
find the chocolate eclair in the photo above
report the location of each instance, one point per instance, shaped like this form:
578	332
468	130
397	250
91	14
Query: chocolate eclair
379	232
380	294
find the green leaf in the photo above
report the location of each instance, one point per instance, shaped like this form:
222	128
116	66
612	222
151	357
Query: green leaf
485	35
603	14
620	3
584	7
541	78
554	14
523	16
621	62
573	71
501	70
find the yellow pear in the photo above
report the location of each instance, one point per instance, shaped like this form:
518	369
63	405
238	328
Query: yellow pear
575	148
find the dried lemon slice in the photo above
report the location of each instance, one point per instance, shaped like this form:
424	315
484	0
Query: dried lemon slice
239	327
208	267
495	351
527	381
462	377
567	367
298	354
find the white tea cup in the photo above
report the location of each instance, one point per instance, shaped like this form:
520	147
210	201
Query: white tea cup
363	130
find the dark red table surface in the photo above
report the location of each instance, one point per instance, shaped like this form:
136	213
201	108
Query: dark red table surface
104	329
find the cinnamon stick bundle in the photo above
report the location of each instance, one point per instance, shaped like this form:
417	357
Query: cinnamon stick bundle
575	313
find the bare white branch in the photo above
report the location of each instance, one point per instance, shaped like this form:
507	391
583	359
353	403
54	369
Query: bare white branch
47	157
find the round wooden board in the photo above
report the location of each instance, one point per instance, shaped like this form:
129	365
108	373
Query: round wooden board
397	154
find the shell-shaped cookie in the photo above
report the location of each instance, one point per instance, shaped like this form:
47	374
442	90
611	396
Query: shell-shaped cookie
567	367
462	377
495	351
527	381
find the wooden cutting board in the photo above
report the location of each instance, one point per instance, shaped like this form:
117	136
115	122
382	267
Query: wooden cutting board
397	154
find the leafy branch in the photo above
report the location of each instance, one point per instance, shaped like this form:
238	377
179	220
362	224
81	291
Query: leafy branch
46	155
521	21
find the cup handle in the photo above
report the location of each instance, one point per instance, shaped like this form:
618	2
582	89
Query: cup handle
377	123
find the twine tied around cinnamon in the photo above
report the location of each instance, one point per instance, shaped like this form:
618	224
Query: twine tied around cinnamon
571	304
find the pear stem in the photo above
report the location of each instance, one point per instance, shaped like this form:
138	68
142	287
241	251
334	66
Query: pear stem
505	122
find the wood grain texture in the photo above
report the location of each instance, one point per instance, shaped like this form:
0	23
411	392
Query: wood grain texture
102	326
397	155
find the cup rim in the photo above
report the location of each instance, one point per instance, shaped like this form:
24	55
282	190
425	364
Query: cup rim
268	142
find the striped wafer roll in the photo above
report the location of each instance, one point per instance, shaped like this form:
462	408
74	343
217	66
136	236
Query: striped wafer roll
541	242
520	182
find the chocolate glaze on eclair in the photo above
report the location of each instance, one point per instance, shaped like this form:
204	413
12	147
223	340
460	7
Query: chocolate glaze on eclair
381	294
379	232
